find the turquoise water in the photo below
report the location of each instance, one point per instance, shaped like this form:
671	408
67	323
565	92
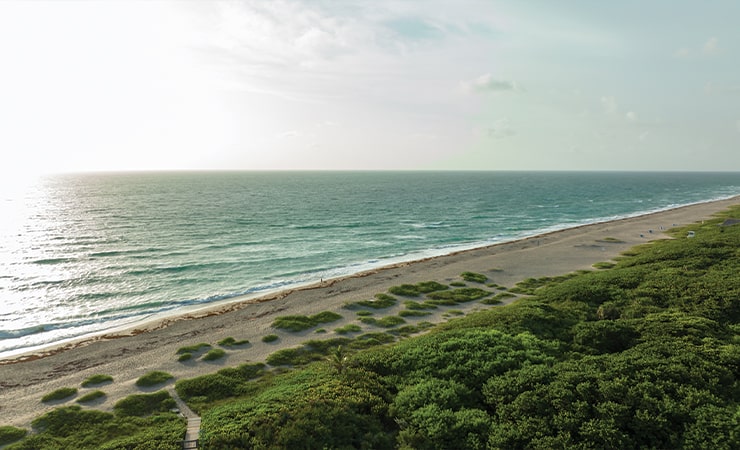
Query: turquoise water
84	253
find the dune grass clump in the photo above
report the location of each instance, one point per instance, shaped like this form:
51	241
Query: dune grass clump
461	295
405	290
414	305
214	354
185	357
408	330
380	301
144	404
9	434
231	342
385	322
315	350
153	378
474	277
193	348
604	265
458	284
59	394
91	396
349	328
426	287
300	323
97	380
497	299
413	313
364	313
270	338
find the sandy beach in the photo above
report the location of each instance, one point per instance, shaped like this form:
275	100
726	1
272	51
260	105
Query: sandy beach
128	354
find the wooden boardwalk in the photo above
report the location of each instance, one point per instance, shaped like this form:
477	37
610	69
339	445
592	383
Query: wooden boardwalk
193	430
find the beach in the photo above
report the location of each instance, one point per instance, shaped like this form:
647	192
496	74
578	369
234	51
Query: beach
128	354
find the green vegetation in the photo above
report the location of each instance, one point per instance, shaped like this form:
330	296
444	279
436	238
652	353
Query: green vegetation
96	380
460	295
364	312
10	434
85	429
185	357
270	338
414	290
153	378
498	298
300	323
474	277
413	313
380	301
610	240
59	394
385	322
231	342
144	404
604	265
193	348
458	284
411	304
214	354
643	355
349	328
91	396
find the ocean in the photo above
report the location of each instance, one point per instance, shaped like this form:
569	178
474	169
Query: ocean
85	253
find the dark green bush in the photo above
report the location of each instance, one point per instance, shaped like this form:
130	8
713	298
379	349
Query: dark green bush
144	404
153	378
405	290
270	338
460	295
185	357
10	434
59	394
349	328
380	301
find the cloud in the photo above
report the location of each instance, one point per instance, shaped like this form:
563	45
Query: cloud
486	83
631	116
501	129
609	103
711	47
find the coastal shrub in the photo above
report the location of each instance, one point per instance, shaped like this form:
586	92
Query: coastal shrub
498	298
320	331
300	323
227	382
97	380
458	284
270	338
349	328
460	295
185	357
385	322
380	301
193	348
364	312
144	404
214	354
73	427
231	342
309	351
413	313
408	330
426	287
371	339
91	396
604	265
453	312
405	290
411	304
153	378
59	394
474	277
10	434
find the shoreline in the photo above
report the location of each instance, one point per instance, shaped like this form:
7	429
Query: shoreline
130	353
242	300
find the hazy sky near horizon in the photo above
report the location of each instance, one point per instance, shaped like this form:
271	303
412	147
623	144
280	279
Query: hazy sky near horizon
487	85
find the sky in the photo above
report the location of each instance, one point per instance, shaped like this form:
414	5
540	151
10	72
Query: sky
369	85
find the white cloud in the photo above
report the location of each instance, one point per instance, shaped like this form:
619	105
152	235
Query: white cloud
486	83
711	47
501	129
631	116
609	103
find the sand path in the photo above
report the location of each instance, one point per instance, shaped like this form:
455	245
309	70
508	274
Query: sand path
128	355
